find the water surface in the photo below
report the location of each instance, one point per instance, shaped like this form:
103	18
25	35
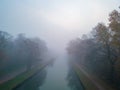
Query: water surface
58	77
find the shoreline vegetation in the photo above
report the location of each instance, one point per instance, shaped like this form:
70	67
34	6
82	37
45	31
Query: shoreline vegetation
90	82
19	79
20	58
98	54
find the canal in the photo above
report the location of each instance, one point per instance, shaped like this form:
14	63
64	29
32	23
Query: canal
60	76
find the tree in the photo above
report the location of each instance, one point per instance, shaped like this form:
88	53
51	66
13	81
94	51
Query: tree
103	35
4	41
100	53
114	25
30	50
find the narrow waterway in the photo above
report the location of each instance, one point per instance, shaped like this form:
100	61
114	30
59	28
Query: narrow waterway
57	77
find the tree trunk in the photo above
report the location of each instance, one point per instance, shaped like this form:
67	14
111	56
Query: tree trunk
112	73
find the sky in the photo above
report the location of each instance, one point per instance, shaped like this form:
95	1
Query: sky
55	21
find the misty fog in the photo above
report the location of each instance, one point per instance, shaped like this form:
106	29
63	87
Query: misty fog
56	40
56	22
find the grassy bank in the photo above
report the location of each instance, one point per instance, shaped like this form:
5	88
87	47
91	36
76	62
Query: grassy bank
89	81
9	85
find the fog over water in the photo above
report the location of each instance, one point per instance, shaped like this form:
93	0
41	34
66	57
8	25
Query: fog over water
41	40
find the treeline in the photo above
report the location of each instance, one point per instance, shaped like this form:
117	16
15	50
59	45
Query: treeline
20	53
99	51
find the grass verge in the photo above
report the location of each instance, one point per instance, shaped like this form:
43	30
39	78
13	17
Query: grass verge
9	85
88	83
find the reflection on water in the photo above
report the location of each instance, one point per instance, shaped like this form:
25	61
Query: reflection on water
73	81
58	77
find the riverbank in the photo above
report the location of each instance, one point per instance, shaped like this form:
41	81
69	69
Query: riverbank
89	81
9	85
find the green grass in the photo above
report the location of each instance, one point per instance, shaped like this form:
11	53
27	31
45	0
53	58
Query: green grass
9	85
88	84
